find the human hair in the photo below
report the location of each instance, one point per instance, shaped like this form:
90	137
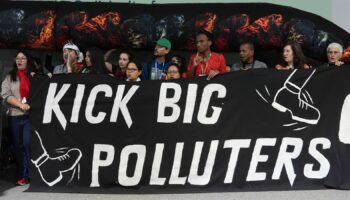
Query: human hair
249	43
70	45
175	65
180	59
130	55
37	65
97	60
206	33
298	56
30	65
181	62
138	65
336	46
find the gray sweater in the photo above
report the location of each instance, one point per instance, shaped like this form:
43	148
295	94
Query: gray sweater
10	89
60	69
255	65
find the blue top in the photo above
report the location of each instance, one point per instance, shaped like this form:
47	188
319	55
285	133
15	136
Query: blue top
154	70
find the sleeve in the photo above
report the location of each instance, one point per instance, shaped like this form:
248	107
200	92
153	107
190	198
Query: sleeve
144	73
222	68
56	70
235	67
264	65
6	92
190	66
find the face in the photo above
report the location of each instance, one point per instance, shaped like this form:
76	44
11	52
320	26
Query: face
21	61
203	43
333	55
288	55
246	53
69	52
123	60
173	73
132	73
88	59
160	51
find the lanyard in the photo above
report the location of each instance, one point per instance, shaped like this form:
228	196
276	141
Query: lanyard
156	66
206	65
205	69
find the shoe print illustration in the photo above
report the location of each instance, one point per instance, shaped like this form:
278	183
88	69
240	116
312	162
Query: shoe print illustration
295	100
51	169
344	124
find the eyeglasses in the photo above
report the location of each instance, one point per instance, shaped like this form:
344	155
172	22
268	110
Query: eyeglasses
131	70
21	58
172	72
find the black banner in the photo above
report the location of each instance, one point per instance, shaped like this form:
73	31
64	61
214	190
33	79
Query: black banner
254	130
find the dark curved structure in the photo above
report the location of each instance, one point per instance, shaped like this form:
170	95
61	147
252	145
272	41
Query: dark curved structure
48	25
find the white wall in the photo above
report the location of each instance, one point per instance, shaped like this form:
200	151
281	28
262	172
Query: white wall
340	13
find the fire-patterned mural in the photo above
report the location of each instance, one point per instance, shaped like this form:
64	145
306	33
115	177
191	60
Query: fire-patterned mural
37	25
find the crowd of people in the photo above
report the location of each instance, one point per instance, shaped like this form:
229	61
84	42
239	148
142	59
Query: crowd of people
204	62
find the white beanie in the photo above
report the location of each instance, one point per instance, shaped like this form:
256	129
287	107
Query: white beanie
74	47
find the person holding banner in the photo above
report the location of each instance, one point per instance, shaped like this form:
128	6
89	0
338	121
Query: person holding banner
173	71
133	72
334	55
205	62
72	58
247	60
119	70
293	57
180	61
94	62
38	68
15	92
155	70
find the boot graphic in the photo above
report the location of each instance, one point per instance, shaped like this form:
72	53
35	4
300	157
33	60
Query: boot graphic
290	98
51	169
344	124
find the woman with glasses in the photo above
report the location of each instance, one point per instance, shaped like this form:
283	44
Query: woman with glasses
173	71
15	92
133	71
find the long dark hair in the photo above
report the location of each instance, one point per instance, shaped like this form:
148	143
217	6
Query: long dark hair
298	56
138	65
38	66
30	65
181	63
130	56
97	61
